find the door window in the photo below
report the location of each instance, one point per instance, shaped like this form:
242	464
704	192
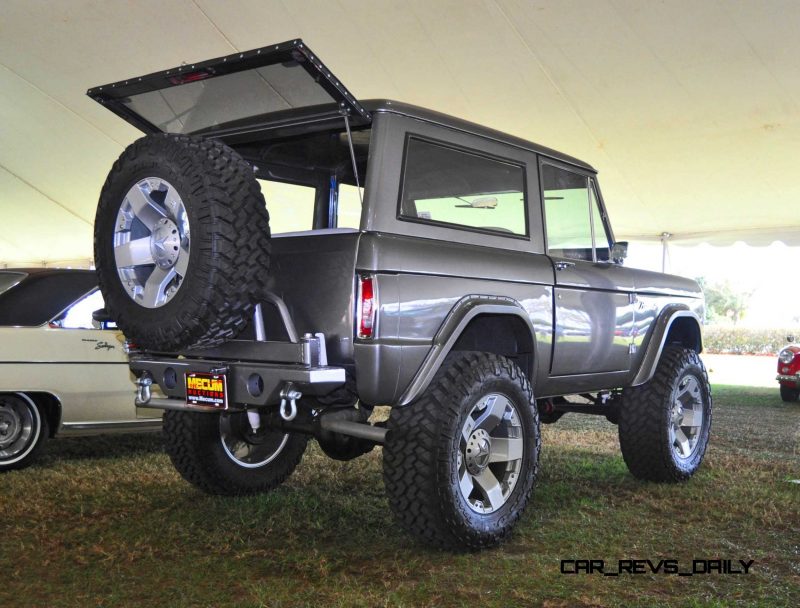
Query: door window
575	227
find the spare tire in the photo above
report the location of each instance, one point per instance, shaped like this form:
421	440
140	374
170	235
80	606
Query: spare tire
181	242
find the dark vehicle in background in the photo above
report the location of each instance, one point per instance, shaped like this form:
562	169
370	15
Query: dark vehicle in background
466	278
789	371
60	373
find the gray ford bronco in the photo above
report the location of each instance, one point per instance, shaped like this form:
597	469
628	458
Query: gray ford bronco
466	278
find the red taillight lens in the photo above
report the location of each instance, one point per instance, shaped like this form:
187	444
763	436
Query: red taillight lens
366	307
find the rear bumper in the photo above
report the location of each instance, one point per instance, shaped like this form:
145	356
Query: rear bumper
242	377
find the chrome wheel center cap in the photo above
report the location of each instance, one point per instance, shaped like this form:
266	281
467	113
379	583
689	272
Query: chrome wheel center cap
165	243
9	427
478	451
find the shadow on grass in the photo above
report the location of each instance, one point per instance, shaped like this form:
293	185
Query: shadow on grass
113	524
104	447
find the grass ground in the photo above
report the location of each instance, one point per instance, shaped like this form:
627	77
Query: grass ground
122	529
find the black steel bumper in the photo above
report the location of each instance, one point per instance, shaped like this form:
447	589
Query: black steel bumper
256	372
248	382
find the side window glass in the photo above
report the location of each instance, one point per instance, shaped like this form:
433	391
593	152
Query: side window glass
443	185
290	206
566	205
79	315
349	208
601	241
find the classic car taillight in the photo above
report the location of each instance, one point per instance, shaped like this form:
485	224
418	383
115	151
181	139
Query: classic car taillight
365	312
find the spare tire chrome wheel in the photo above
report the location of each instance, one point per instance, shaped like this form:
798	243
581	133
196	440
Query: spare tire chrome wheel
182	242
152	242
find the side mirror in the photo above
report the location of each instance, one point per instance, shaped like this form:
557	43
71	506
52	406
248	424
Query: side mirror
790	338
619	251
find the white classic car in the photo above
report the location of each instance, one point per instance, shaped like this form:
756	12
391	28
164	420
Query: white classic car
60	373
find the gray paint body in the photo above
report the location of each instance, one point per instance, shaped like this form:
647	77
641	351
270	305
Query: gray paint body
592	326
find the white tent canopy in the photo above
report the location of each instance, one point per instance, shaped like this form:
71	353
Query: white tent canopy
690	110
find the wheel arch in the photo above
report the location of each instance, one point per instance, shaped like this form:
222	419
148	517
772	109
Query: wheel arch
485	323
49	406
676	324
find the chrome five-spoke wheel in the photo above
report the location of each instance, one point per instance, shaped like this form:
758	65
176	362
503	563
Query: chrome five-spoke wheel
665	423
460	462
152	242
686	417
490	455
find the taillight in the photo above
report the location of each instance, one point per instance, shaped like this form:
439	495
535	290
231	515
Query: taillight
365	313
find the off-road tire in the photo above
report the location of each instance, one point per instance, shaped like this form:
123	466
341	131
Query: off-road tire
40	431
421	452
229	254
789	394
644	419
192	441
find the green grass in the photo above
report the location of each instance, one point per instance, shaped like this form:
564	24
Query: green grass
107	522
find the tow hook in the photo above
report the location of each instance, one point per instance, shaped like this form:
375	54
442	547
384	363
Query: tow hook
289	397
143	382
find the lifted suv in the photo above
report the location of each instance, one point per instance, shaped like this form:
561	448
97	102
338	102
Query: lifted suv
466	278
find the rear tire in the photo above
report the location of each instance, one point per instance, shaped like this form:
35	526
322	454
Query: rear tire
181	242
460	462
23	431
664	424
219	453
789	394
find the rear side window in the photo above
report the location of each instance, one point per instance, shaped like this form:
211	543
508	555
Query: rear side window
463	189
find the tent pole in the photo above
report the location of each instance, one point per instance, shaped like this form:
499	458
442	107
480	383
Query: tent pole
664	250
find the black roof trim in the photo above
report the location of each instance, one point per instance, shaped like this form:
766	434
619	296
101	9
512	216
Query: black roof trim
445	120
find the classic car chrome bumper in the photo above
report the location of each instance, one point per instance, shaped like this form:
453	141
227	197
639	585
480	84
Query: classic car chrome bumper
788	379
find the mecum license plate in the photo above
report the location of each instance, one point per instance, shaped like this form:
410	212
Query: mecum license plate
208	390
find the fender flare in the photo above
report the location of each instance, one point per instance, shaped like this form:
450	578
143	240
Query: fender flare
658	339
464	311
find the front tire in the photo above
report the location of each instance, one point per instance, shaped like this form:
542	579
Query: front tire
664	424
460	463
789	394
220	454
23	431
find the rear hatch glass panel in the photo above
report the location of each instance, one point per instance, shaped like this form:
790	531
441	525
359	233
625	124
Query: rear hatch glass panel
242	89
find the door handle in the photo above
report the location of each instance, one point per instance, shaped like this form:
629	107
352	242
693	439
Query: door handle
561	265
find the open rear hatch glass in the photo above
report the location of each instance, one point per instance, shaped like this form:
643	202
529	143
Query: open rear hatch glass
240	91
